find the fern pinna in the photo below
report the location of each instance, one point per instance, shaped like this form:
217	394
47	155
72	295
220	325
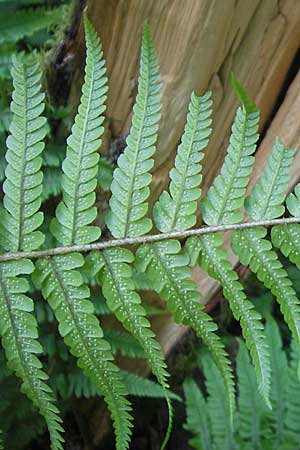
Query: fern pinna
61	272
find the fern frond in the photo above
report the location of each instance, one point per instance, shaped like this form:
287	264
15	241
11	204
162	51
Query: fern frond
19	221
80	167
131	179
14	25
256	252
166	267
197	418
23	185
124	343
214	260
253	250
222	431
62	283
265	200
18	328
279	366
250	404
115	277
63	288
291	422
226	196
175	211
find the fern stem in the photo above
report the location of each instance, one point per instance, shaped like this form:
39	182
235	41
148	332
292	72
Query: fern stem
102	245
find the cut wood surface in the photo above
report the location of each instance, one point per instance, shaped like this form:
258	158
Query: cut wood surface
199	43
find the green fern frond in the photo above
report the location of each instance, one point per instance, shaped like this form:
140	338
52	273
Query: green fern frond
19	221
291	422
175	211
18	328
166	267
267	196
226	196
253	250
80	167
221	428
23	185
123	343
131	179
15	25
197	418
63	288
279	366
214	260
62	283
118	288
250	404
256	252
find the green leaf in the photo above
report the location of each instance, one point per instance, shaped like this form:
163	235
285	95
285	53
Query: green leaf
197	417
222	432
80	167
264	202
279	383
226	196
291	422
15	25
214	260
243	95
166	267
250	404
23	185
131	178
175	211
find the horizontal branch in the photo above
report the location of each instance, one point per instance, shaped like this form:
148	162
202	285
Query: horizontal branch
180	235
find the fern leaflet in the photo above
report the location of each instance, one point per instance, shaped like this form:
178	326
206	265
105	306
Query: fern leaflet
226	195
176	211
131	178
197	421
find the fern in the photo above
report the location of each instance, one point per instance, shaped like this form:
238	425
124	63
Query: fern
250	245
221	206
129	192
61	281
197	421
250	405
14	25
222	432
19	221
160	263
